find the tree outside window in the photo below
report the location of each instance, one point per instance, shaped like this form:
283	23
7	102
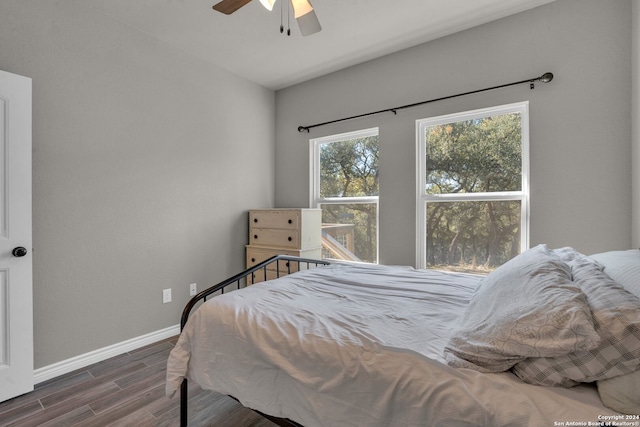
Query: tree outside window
473	188
345	186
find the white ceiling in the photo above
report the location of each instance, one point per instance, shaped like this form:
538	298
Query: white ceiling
249	43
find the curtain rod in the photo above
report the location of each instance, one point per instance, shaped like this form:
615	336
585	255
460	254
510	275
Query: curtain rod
545	78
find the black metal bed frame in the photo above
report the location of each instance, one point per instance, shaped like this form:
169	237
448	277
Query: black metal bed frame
242	280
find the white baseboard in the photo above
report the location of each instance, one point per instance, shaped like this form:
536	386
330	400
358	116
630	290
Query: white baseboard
78	362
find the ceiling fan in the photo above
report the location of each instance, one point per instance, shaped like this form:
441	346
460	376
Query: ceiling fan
302	11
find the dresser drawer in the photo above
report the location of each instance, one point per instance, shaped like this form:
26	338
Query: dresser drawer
256	255
281	219
274	237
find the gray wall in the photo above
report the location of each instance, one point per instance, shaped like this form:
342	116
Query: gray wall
140	173
580	122
635	113
139	150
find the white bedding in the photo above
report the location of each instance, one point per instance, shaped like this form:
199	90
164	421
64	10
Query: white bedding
359	345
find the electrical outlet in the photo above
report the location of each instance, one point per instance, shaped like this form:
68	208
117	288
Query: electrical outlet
166	295
193	289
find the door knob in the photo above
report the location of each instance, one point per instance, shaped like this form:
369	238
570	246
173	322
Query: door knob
19	252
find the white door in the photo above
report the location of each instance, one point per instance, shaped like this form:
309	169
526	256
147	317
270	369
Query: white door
16	302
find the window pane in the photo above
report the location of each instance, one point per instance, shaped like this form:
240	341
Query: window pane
471	156
349	231
349	168
472	236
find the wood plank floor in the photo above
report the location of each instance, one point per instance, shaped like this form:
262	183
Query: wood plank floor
127	390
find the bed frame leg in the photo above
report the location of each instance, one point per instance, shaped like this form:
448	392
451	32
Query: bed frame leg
184	398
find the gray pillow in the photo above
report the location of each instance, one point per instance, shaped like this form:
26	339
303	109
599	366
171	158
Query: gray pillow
616	314
528	307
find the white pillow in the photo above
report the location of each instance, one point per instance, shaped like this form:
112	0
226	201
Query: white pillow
623	267
528	307
616	314
621	393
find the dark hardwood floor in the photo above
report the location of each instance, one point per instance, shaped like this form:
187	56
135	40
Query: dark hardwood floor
127	390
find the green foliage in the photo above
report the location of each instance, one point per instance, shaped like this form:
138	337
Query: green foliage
483	155
474	156
478	235
350	169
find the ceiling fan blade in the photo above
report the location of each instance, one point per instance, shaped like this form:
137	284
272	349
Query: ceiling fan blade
306	17
309	24
229	6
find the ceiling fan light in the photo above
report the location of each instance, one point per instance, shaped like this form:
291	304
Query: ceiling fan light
301	7
268	4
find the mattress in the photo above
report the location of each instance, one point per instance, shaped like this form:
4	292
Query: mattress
360	345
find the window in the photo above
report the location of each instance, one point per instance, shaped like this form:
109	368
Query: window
344	184
473	188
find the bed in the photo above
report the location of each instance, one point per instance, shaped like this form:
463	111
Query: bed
550	338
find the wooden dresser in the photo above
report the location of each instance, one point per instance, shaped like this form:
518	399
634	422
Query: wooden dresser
295	232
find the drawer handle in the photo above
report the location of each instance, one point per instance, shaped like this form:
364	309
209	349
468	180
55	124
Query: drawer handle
255	236
255	219
253	260
290	221
290	238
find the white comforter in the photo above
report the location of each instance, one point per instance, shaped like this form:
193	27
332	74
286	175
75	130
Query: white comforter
358	346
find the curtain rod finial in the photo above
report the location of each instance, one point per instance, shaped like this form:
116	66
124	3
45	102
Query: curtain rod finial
546	77
303	128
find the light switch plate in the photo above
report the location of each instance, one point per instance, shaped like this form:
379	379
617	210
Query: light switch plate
166	295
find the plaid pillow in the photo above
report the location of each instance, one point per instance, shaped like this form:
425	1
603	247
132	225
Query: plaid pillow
616	315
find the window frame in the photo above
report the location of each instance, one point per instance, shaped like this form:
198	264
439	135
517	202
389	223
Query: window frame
423	198
315	201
